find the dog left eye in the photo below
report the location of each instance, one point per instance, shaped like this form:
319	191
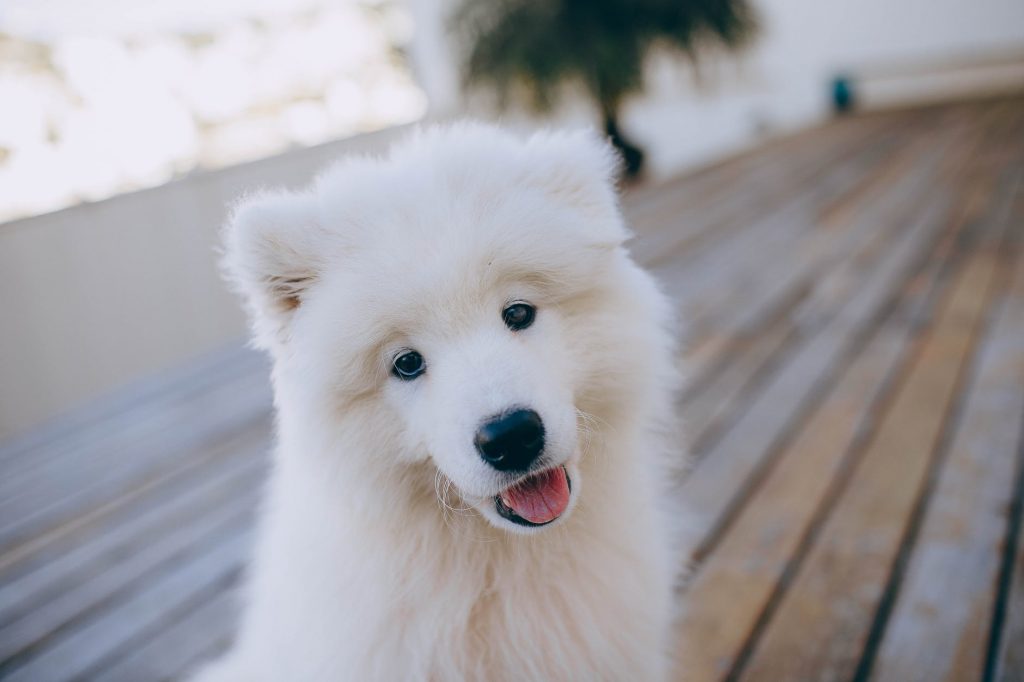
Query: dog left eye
518	316
408	365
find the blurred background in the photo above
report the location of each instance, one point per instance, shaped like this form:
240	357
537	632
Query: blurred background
103	98
777	153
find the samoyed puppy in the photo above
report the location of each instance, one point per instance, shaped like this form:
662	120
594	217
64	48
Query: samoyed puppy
474	390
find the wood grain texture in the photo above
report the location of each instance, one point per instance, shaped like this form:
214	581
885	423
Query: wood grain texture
733	586
940	624
1006	644
1008	663
77	652
63	491
713	487
823	622
199	636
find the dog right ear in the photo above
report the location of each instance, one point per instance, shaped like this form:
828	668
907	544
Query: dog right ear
273	251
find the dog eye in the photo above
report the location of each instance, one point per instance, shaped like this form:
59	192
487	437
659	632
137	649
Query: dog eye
518	316
408	366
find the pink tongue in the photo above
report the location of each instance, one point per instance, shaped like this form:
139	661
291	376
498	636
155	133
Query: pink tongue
541	498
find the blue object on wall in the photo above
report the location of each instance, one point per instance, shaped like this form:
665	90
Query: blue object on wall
842	94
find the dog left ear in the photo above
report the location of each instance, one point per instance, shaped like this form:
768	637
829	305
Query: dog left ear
581	168
273	251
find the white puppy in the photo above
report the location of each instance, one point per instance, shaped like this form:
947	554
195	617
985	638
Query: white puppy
474	385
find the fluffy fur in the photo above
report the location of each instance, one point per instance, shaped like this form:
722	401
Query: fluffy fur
380	555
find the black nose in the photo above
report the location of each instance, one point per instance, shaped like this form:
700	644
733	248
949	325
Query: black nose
511	441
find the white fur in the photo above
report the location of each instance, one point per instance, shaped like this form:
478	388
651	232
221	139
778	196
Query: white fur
380	554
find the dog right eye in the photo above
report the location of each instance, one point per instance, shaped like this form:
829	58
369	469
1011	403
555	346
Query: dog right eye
408	366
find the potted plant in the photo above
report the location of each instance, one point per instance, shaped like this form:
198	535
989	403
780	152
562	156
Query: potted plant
536	46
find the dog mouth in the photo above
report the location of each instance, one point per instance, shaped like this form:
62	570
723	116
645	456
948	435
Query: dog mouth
537	500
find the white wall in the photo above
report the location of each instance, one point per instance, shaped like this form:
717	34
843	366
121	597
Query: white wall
782	82
95	296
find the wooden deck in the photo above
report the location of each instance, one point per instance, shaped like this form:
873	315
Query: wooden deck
856	297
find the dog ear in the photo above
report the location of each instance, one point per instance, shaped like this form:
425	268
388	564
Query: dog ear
581	168
273	251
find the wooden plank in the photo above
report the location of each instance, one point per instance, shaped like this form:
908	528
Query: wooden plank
36	629
695	231
192	415
182	648
950	121
55	546
1007	663
696	227
821	270
126	408
724	375
689	207
736	255
824	619
835	265
707	356
732	588
733	464
138	617
732	591
707	410
828	256
1006	644
227	479
761	325
939	626
796	306
118	473
724	468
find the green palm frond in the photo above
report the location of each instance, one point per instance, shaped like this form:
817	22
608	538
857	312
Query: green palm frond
537	45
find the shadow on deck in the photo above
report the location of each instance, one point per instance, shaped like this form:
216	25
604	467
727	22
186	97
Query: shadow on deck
856	304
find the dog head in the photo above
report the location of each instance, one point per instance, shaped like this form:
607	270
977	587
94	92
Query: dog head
462	295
